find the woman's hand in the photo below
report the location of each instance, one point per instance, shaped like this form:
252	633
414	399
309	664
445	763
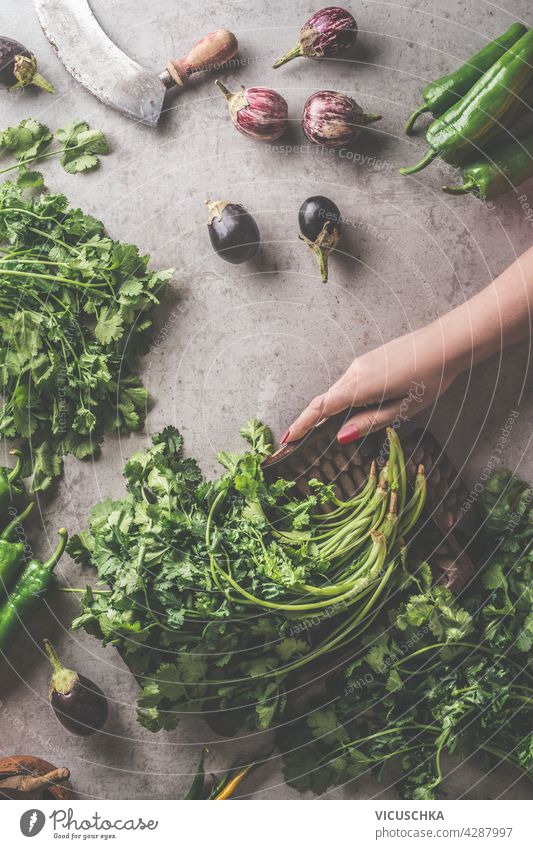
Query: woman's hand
408	374
389	384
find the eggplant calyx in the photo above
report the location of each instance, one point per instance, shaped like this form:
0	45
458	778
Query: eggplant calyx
216	208
26	73
63	680
326	239
237	99
308	39
324	243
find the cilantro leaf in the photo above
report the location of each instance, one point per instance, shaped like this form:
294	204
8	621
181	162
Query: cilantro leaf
27	141
81	146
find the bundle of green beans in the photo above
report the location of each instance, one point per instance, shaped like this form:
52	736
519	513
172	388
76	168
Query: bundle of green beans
475	110
359	542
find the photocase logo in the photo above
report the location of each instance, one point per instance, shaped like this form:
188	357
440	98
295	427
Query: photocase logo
32	822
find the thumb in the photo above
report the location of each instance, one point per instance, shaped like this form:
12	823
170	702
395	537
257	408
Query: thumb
371	419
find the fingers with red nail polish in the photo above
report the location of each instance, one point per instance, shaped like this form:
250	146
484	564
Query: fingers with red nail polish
371	419
348	433
285	437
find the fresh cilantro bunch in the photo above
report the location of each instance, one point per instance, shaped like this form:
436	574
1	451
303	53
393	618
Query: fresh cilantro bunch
75	315
79	147
193	648
419	676
442	677
222	591
506	508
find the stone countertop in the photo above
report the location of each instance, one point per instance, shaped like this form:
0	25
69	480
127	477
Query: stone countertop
261	339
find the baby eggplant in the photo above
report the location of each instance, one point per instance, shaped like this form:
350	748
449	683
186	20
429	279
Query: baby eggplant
326	33
333	119
320	228
18	67
232	230
78	703
259	113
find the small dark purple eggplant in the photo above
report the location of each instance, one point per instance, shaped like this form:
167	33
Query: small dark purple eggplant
18	67
320	223
232	230
78	703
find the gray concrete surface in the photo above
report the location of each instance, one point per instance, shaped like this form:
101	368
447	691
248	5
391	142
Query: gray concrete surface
263	338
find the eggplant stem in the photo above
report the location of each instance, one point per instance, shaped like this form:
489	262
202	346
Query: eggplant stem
292	54
8	530
57	666
322	261
413	116
225	91
429	156
43	83
369	118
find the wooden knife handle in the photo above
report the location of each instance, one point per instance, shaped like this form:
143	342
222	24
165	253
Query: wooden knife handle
212	51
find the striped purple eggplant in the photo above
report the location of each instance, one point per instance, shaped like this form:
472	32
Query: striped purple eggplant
333	119
326	33
259	113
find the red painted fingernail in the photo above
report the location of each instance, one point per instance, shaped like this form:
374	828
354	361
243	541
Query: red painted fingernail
347	434
285	437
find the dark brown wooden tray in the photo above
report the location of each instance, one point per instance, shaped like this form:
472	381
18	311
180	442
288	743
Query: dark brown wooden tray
319	455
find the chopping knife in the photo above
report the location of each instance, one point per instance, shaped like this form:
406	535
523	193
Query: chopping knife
112	76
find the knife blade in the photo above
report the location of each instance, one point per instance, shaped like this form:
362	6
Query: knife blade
97	63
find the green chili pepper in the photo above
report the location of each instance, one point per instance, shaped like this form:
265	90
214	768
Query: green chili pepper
502	95
439	95
11	553
32	583
503	167
196	790
11	487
